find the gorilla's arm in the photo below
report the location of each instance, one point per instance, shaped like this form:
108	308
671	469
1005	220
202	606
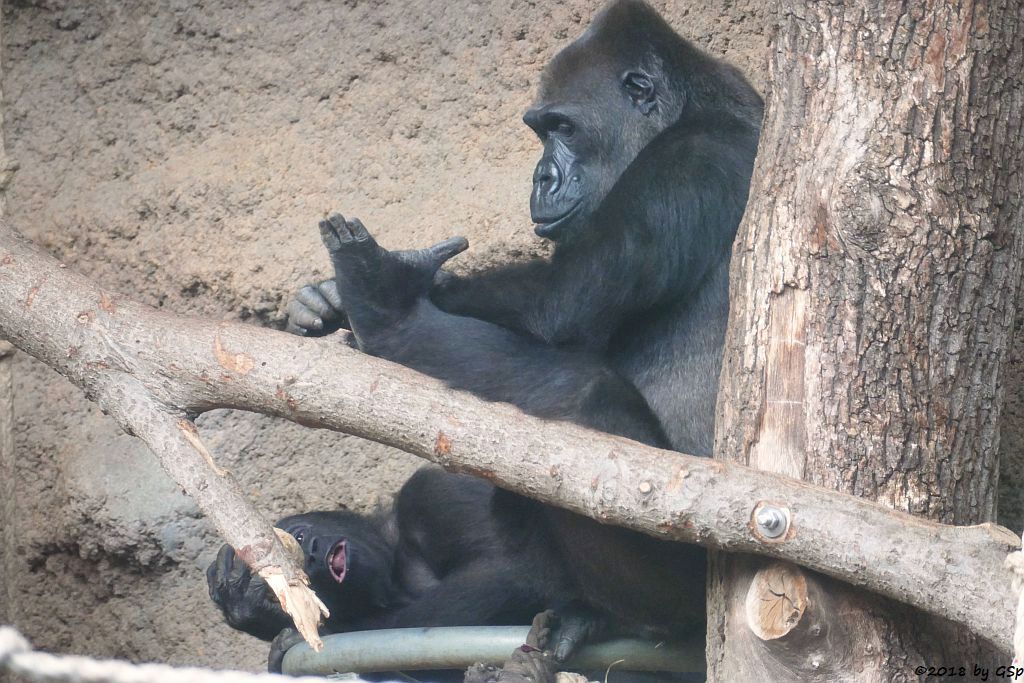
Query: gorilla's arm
500	365
487	591
391	317
665	224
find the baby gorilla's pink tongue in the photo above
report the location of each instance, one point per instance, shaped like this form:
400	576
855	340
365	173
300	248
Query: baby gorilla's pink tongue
337	561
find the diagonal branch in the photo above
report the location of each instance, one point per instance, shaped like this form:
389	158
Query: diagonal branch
141	365
184	457
86	343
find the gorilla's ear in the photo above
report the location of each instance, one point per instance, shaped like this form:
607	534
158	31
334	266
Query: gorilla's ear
640	88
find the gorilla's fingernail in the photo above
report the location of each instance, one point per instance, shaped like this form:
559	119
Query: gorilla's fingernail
318	324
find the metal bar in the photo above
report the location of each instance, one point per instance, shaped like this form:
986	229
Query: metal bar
458	647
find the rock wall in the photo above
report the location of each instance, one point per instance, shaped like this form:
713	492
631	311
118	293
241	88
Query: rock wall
181	152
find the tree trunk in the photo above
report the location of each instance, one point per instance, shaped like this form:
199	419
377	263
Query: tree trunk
874	282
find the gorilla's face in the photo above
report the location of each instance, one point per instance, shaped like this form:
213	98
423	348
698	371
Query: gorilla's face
595	112
323	537
348	563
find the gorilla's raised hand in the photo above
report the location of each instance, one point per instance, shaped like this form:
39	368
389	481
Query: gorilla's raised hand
379	287
318	309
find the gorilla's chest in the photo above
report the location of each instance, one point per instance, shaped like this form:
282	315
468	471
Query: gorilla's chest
674	360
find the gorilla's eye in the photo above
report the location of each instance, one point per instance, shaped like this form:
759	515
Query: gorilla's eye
299	532
560	124
640	89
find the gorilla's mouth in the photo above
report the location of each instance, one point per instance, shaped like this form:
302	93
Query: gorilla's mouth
337	560
548	227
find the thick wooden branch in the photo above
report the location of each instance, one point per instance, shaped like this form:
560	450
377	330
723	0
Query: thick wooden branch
144	365
90	350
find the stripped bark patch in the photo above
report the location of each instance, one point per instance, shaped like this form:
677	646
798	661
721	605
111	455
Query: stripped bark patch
191	435
442	445
107	303
239	363
250	553
480	473
283	395
675	484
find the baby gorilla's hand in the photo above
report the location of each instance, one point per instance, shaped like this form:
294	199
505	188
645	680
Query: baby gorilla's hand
380	287
244	598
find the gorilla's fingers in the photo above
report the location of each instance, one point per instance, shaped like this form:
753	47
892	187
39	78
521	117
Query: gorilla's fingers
568	641
359	231
575	626
338	222
279	647
292	328
312	297
237	572
225	562
442	251
331	235
301	319
329	291
213	582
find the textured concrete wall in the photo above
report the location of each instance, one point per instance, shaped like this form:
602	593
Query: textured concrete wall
182	152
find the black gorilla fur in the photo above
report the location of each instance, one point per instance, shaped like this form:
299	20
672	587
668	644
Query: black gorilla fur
648	151
433	558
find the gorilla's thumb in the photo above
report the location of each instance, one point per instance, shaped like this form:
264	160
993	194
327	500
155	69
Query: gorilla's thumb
442	251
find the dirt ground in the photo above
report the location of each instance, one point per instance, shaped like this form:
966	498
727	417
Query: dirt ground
181	152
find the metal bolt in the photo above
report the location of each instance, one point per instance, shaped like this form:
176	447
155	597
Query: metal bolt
772	522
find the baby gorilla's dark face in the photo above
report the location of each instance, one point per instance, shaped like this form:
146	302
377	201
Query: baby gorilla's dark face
347	559
324	549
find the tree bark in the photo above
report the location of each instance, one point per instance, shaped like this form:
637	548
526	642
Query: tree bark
8	512
874	282
151	370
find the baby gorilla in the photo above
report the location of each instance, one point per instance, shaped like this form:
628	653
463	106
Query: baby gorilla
434	558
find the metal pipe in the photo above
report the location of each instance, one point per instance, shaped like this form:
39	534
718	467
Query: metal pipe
458	647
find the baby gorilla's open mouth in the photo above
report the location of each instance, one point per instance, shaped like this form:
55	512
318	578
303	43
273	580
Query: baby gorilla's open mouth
337	560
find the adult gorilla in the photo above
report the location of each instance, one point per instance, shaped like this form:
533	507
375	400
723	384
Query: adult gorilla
648	150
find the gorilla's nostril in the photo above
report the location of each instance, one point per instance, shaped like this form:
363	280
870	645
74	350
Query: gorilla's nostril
547	176
312	546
